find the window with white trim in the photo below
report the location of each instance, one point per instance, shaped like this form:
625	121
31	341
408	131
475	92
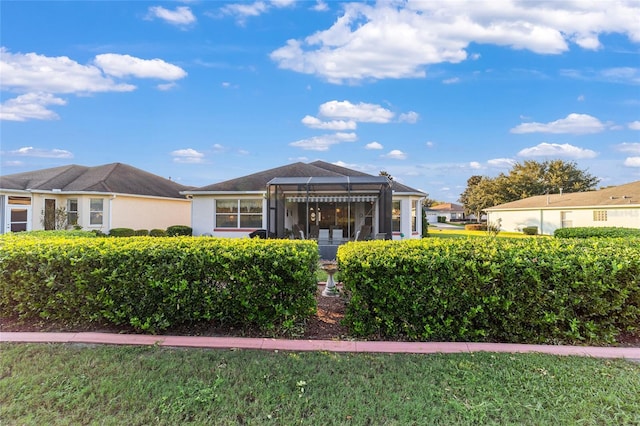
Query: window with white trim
395	216
96	211
72	211
242	213
414	217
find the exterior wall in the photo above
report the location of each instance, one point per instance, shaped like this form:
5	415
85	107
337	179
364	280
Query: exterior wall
119	211
203	216
203	213
147	213
407	203
548	220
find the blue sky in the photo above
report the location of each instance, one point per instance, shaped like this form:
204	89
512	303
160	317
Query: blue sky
432	92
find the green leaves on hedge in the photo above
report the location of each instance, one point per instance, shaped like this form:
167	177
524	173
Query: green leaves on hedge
156	283
533	290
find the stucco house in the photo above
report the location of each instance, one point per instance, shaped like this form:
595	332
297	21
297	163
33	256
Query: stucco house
95	198
317	200
450	211
617	206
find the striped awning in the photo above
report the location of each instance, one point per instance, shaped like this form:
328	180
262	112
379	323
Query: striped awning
333	199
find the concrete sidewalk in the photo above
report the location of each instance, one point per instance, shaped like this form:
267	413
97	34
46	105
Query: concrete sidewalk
317	345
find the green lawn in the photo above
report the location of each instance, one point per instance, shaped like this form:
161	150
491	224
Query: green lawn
81	384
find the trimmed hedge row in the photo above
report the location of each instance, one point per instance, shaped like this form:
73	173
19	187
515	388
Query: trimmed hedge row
156	283
507	290
596	232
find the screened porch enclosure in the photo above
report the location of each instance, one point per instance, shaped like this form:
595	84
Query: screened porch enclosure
331	210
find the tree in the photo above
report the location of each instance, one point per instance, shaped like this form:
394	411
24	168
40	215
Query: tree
525	180
386	173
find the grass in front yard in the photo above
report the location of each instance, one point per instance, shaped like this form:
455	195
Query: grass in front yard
80	384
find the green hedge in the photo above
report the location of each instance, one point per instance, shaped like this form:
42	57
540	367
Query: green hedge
122	232
596	232
158	233
530	230
177	230
508	290
156	283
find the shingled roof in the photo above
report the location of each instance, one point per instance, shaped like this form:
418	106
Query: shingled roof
112	178
622	195
258	181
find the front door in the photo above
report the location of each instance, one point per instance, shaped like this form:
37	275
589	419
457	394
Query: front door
18	217
49	214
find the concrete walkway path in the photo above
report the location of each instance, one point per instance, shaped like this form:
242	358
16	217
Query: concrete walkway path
317	345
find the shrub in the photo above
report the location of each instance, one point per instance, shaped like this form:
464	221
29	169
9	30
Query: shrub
153	284
60	233
141	232
158	233
529	290
176	230
530	230
121	232
596	232
475	227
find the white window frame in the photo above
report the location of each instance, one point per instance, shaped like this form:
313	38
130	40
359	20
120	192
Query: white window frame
94	214
238	214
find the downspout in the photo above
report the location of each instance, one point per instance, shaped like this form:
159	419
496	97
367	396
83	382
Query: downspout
113	196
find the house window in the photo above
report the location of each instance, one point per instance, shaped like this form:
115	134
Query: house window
565	217
96	211
395	216
414	217
239	213
72	211
599	215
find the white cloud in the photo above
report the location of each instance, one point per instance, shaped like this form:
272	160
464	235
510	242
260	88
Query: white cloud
475	165
623	75
181	16
320	6
187	156
374	145
399	39
545	149
324	142
634	125
126	65
30	106
362	112
316	123
452	80
283	3
31	72
29	151
242	11
632	162
409	117
166	86
430	144
501	163
573	123
631	147
395	154
581	98
38	77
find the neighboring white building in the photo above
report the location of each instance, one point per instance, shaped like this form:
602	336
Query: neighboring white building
450	211
318	200
95	198
617	206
